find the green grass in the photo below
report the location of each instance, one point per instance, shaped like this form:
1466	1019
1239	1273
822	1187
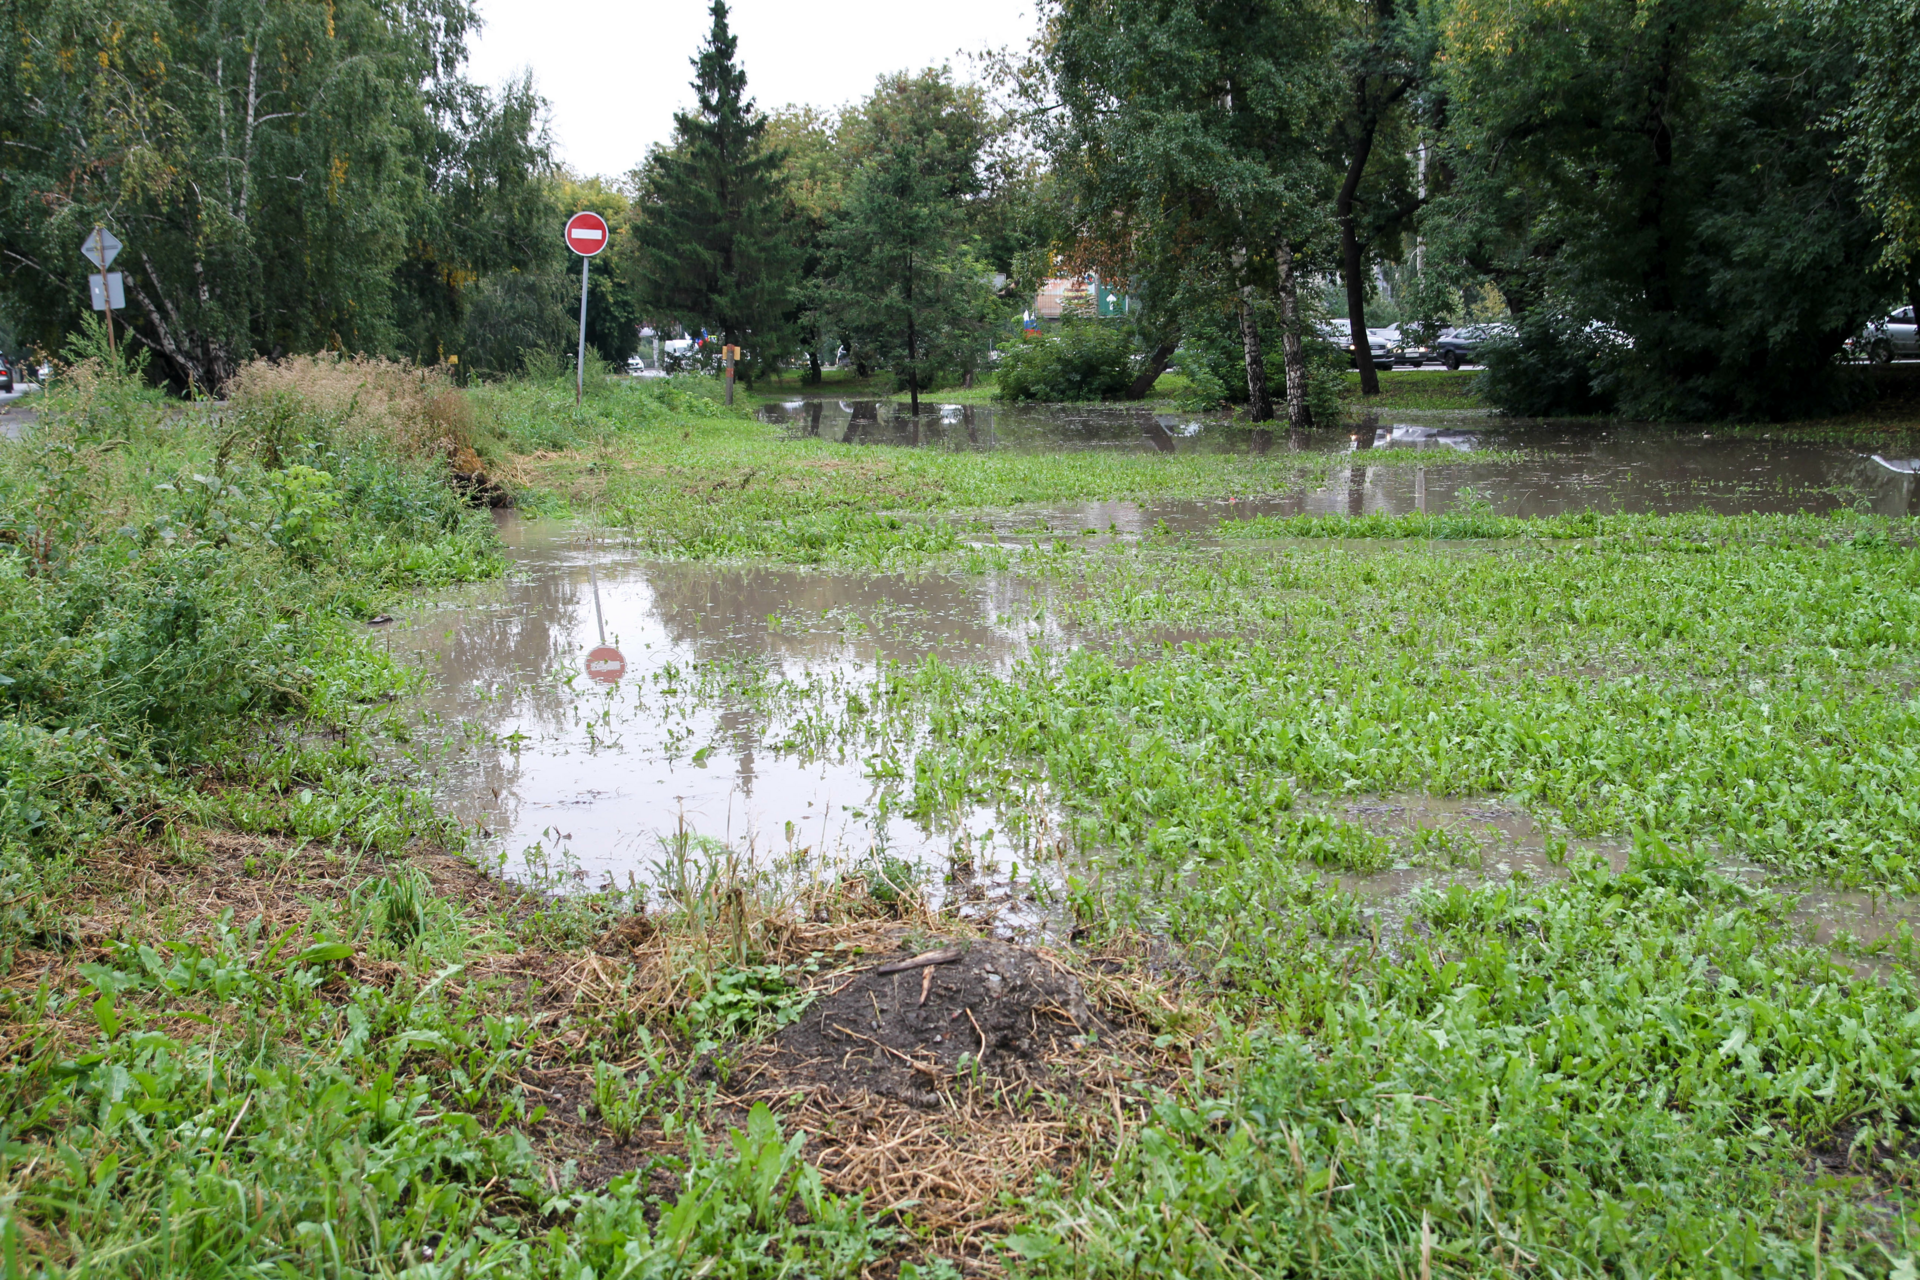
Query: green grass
689	477
261	1018
1718	681
1616	1072
1417	389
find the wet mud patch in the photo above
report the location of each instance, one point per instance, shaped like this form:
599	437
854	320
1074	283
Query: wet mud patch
911	1026
947	1109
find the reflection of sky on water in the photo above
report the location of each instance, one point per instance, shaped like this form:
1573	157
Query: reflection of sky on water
604	774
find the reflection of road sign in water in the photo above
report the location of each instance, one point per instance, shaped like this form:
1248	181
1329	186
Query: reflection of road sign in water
605	664
586	234
108	290
100	247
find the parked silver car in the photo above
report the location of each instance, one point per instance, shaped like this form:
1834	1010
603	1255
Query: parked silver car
1896	337
1340	334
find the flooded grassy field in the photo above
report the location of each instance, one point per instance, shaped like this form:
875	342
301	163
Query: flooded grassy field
1037	843
732	720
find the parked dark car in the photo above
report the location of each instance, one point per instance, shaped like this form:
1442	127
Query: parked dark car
6	376
1456	347
1408	351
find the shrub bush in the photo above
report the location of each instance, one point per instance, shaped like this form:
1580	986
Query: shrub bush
167	584
1081	360
1548	368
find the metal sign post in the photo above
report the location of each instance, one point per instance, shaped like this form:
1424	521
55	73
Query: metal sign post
580	362
101	247
586	235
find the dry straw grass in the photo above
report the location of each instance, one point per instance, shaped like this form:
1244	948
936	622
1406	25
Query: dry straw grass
955	1164
416	410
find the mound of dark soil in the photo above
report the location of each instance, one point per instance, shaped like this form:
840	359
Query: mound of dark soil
904	1032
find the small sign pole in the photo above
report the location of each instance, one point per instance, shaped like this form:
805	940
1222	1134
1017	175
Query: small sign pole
731	353
586	234
100	248
580	366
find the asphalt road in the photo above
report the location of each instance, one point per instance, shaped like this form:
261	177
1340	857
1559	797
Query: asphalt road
12	419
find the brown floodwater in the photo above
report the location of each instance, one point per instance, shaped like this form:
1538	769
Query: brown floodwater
565	777
730	725
1561	467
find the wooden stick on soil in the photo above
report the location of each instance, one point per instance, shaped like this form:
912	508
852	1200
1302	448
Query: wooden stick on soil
983	1035
945	956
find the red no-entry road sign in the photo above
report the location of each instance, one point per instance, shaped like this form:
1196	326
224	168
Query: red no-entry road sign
586	234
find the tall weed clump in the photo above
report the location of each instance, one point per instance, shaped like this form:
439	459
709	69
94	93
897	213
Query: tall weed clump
349	403
174	579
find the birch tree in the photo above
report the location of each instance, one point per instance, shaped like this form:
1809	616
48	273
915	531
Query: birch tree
287	175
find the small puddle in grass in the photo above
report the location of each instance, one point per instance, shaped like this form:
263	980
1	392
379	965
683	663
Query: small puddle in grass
1497	844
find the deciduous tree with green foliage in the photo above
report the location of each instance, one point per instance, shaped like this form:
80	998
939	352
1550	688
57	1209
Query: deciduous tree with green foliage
1686	221
713	248
1385	56
813	181
903	279
1883	125
286	176
1190	131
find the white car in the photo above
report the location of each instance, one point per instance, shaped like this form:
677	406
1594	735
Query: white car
1893	338
1340	333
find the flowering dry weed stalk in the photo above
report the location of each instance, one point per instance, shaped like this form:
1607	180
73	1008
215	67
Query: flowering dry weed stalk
418	411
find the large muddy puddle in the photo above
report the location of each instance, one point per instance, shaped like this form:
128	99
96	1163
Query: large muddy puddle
737	723
739	732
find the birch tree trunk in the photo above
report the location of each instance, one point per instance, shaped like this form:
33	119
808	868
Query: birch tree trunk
1298	418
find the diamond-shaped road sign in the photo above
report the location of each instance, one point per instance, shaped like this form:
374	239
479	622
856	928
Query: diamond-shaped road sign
100	247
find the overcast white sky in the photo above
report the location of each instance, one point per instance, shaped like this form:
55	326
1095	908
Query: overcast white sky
616	70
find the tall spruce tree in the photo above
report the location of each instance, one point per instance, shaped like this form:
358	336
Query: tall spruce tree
712	250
